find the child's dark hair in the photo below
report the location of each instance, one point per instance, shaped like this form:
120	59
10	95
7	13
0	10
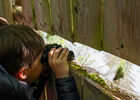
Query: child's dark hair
19	46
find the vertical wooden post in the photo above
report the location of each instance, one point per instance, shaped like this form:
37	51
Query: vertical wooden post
42	13
88	22
27	6
61	18
6	10
1	8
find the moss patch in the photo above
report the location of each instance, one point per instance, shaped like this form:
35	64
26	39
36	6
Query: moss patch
101	82
92	76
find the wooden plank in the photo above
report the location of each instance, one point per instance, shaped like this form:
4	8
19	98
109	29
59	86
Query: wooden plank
54	5
91	91
7	10
1	8
27	7
87	22
17	2
61	18
42	13
122	28
65	18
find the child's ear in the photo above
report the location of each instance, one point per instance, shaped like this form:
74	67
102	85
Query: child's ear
22	73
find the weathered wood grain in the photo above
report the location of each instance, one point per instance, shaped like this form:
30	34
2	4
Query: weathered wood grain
122	29
1	8
87	22
18	2
89	90
6	10
54	5
42	13
61	18
92	91
27	6
65	18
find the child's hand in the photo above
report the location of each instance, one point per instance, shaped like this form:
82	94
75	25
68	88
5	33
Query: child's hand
58	63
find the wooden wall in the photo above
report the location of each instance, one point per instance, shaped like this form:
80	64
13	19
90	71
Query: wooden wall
122	29
6	10
108	25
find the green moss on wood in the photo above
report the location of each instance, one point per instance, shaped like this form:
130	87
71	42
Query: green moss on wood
72	20
92	76
99	32
97	79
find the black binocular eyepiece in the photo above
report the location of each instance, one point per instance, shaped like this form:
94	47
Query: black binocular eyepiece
48	47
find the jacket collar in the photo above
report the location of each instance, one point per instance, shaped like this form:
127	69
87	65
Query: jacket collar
21	88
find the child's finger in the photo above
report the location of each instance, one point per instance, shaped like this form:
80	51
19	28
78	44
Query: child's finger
62	54
66	55
50	57
56	53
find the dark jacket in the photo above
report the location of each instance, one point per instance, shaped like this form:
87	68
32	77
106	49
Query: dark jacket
12	89
66	89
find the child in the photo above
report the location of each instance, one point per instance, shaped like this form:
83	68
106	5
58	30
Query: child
21	50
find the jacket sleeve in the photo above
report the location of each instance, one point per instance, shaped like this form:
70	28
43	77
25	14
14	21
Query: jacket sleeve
66	89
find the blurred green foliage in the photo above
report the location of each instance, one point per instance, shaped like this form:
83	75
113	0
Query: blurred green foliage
120	71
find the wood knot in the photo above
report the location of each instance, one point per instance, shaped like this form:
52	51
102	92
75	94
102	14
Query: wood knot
76	9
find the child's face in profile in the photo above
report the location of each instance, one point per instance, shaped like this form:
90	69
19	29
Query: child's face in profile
35	70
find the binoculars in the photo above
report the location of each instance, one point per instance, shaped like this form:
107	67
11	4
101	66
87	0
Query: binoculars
48	47
44	59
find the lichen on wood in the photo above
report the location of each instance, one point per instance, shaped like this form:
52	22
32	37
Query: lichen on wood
105	86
